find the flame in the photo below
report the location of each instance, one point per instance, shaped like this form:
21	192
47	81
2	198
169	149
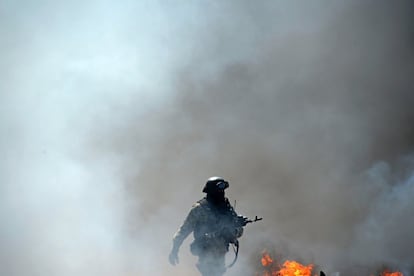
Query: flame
266	259
388	273
293	268
289	268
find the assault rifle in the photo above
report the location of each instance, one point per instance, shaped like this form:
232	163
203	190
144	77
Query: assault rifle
243	221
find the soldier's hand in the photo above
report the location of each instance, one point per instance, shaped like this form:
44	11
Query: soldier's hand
173	258
243	220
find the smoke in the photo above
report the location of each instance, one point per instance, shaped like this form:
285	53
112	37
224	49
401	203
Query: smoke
114	115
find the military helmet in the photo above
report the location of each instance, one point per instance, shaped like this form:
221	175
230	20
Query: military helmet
215	183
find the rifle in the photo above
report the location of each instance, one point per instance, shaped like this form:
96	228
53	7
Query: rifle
243	221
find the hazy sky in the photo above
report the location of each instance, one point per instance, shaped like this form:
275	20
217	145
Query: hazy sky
114	113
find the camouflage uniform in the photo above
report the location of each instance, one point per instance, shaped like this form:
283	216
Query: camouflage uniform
214	227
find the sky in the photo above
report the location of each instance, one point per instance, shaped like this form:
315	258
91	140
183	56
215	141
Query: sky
114	114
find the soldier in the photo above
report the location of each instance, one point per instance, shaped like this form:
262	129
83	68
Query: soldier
214	224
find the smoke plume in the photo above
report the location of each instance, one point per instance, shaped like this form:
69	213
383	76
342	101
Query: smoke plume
115	115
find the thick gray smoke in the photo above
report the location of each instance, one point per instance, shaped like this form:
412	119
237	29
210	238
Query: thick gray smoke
114	116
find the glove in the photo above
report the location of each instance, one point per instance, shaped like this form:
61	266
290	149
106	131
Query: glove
173	257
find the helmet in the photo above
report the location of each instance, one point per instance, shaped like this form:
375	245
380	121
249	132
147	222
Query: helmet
215	183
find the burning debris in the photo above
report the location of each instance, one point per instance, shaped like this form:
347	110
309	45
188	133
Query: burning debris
293	268
272	267
388	273
288	268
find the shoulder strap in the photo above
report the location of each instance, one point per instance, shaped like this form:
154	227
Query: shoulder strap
236	253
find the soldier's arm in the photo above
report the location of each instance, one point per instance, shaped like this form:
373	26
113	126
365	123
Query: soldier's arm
238	229
185	229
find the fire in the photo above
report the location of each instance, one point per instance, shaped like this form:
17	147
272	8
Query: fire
266	259
289	268
292	268
388	273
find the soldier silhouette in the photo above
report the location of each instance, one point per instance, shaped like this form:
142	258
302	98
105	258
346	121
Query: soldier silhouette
214	224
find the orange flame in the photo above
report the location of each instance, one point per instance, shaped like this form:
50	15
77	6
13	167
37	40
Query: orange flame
292	268
388	273
266	259
289	268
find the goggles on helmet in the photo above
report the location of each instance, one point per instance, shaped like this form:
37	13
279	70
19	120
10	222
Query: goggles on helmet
222	185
